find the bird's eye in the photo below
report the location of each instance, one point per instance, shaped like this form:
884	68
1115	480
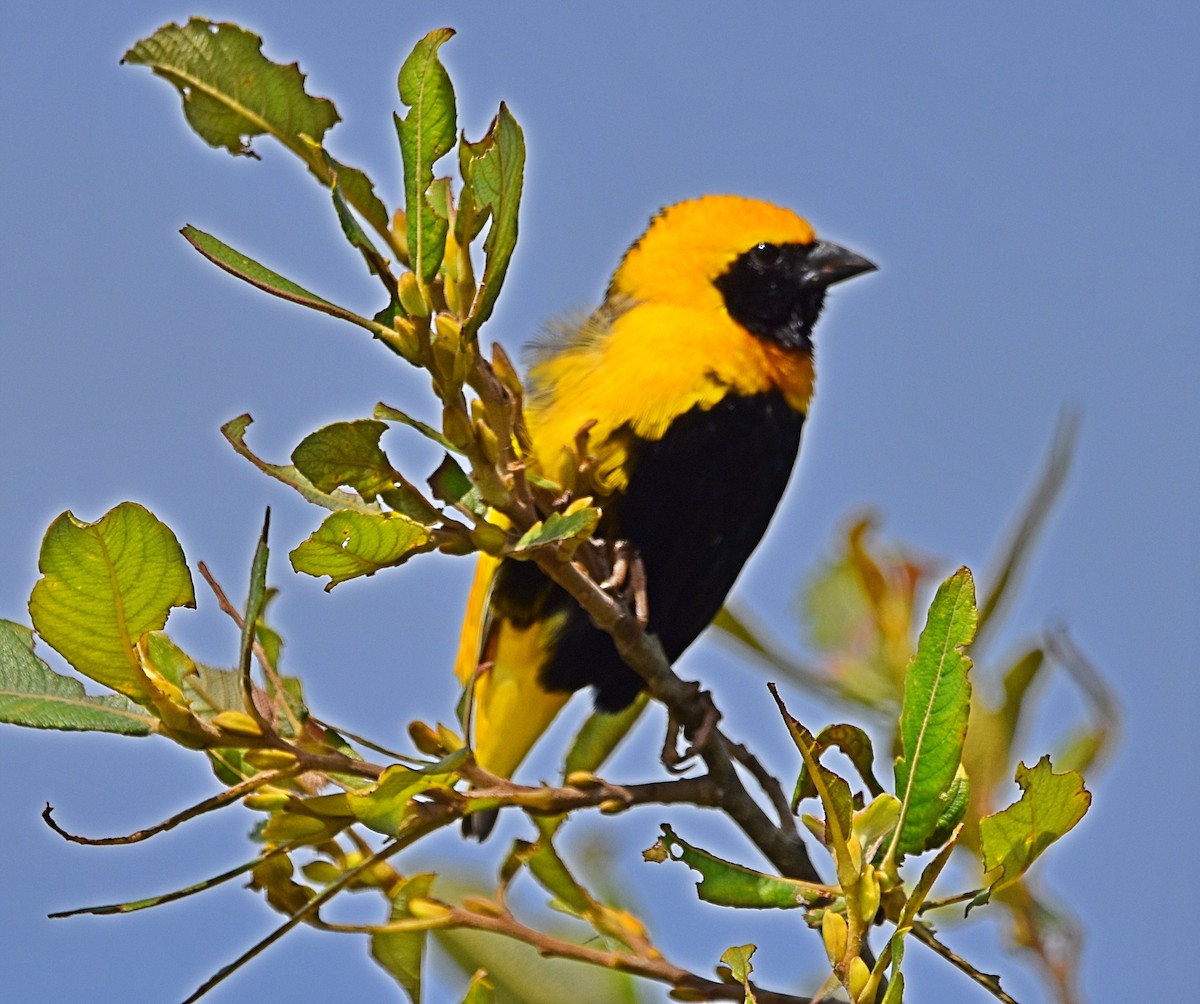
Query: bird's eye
764	255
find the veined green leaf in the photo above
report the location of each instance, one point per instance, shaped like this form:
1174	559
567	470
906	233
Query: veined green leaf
727	884
852	741
231	93
389	414
559	526
401	952
33	695
933	720
235	431
493	172
451	484
833	792
385	805
346	453
426	134
1050	805
103	586
230	90
352	544
737	962
246	268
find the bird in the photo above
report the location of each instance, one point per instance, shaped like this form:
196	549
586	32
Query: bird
692	382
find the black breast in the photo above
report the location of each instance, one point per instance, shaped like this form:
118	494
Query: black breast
697	504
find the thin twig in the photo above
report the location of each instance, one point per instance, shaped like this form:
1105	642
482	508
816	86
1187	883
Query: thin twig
177	894
425	819
989	981
766	780
548	800
259	652
231	794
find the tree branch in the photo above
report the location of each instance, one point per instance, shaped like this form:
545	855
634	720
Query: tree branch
650	964
690	706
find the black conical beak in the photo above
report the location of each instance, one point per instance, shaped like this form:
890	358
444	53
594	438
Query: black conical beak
828	263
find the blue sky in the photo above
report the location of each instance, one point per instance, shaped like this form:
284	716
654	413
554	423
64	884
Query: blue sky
1026	180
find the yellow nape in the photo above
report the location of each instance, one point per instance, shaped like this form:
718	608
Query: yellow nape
691	243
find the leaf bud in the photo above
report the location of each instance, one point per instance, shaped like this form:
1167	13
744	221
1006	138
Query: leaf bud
857	979
412	297
270	759
456	427
266	799
428	909
425	739
322	871
868	895
487	441
400	233
482	905
836	935
490	539
237	722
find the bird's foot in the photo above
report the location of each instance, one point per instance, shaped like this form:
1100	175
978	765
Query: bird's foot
699	737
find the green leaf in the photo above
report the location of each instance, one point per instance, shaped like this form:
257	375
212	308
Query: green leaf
852	741
256	601
385	805
401	952
727	884
558	526
103	586
451	484
33	695
230	90
737	959
352	544
551	871
235	431
346	454
1050	805
833	791
426	134
231	93
358	239
875	822
600	735
389	414
1024	534
481	990
493	172
954	801
933	720
359	191
247	269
